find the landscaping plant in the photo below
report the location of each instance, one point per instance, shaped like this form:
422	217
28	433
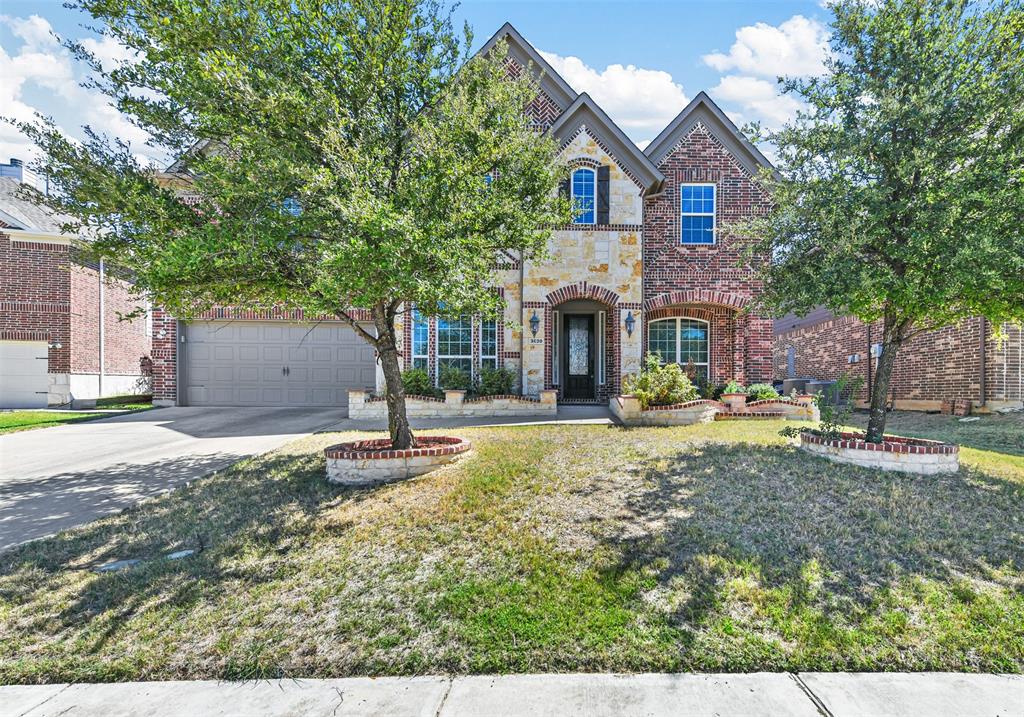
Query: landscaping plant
658	385
900	187
453	378
734	387
416	382
496	381
761	392
337	154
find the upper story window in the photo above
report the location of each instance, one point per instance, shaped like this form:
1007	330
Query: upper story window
697	213
583	191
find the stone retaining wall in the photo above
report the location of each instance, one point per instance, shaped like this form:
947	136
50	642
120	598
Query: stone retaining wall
627	409
361	405
373	462
910	455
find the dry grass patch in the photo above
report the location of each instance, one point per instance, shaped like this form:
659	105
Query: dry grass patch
716	547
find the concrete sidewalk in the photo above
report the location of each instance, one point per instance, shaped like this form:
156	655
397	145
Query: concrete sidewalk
778	695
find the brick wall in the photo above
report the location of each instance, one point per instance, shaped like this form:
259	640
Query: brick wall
164	357
126	346
930	368
740	351
35	296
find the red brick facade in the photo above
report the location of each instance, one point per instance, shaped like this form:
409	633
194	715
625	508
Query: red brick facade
35	296
933	367
704	281
46	295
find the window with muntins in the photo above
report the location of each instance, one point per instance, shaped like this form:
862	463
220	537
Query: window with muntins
681	341
420	340
488	343
697	213
583	187
455	343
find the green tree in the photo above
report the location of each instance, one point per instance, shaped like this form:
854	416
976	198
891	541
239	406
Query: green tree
900	190
344	154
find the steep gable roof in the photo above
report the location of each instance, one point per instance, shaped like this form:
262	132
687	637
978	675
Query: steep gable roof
524	53
17	212
584	111
702	109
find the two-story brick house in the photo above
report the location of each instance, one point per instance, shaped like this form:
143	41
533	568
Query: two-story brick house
646	266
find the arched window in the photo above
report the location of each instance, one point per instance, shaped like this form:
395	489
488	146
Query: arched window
681	341
583	187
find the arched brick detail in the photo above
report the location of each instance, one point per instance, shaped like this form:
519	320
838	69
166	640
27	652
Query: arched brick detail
583	290
696	296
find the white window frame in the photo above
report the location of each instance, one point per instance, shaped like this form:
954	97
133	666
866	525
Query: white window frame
441	357
484	356
412	338
572	194
713	215
679	339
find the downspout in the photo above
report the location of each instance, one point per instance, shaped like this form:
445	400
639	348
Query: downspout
982	359
101	322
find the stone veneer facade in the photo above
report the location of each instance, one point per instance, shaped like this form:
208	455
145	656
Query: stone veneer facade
629	266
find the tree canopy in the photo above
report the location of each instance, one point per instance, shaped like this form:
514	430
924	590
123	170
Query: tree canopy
900	188
340	155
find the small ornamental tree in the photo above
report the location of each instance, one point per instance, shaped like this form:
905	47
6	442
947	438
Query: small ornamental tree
900	190
343	155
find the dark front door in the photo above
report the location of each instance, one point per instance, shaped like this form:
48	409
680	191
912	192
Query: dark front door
578	361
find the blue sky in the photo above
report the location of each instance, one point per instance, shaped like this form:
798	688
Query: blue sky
640	60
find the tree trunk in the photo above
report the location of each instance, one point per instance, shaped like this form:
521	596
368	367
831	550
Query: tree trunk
892	333
394	391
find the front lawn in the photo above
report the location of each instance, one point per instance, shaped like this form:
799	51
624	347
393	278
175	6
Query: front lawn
550	548
11	421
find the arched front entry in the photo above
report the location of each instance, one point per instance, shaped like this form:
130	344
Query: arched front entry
582	361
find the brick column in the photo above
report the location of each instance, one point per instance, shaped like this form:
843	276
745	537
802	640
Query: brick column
739	325
165	359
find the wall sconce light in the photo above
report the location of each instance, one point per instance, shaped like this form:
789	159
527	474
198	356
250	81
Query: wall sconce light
630	323
161	334
56	345
534	323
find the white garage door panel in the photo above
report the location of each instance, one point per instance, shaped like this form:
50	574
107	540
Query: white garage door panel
240	364
23	374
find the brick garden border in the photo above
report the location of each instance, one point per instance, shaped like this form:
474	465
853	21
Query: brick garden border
372	462
894	453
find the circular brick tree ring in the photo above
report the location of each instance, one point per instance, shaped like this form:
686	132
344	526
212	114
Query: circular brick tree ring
910	455
373	462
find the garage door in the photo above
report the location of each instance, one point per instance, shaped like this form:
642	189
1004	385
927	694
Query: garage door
274	364
23	379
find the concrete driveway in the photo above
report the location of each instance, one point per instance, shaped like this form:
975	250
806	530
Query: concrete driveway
56	478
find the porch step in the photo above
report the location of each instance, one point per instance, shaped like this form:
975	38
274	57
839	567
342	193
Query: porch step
748	415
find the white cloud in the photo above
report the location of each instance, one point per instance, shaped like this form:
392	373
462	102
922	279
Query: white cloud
108	51
40	63
641	101
799	46
758	98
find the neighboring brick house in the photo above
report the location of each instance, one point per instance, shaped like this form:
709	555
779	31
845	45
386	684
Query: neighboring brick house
647	266
55	342
952	363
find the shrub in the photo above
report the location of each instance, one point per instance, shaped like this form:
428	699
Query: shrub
761	392
454	378
416	382
733	387
496	381
658	385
